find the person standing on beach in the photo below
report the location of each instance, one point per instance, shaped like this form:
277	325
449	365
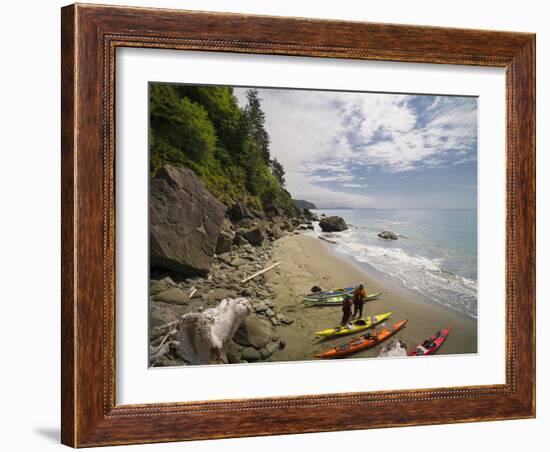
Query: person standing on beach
359	299
346	309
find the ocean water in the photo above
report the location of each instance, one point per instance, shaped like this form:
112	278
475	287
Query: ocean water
435	255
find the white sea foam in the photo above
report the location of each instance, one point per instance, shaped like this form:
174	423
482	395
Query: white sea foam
415	271
391	222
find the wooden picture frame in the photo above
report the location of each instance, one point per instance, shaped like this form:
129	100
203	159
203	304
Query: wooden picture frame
90	36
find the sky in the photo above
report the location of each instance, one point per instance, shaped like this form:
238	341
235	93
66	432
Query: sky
393	151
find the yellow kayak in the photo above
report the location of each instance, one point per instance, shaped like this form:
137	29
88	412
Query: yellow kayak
356	326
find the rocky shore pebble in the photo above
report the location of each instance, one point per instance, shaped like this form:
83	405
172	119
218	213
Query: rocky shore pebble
261	333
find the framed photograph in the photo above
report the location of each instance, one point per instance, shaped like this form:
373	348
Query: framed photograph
281	225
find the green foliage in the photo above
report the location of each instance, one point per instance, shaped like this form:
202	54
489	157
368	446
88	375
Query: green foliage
204	129
255	122
278	171
182	123
222	109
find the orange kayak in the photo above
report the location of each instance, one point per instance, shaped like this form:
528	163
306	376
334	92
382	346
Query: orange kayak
362	342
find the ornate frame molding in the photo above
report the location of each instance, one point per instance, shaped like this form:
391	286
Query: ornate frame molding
90	37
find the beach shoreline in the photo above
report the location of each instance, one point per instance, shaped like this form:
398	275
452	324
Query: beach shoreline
385	280
308	261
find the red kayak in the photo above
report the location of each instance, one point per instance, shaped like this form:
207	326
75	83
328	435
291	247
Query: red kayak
430	345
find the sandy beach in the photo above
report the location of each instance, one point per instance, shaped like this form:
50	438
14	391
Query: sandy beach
308	261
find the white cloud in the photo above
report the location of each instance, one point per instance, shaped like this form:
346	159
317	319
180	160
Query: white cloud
350	185
317	136
449	129
328	197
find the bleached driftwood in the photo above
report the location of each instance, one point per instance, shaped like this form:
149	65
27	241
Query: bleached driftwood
203	338
161	350
260	272
163	330
192	292
393	349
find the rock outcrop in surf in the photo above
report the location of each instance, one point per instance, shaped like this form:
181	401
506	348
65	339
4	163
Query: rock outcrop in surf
388	235
333	224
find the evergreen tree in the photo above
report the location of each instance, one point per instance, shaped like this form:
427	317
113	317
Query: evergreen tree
255	121
278	171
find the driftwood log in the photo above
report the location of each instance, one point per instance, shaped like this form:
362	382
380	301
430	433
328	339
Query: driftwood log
261	272
393	349
203	337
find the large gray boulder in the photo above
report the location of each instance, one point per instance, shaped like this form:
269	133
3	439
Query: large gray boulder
254	332
185	221
333	224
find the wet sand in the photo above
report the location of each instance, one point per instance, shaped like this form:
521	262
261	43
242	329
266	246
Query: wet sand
308	261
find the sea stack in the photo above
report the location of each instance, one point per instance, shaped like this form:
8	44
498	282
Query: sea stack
333	224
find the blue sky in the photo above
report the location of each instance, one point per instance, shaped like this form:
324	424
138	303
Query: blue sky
374	150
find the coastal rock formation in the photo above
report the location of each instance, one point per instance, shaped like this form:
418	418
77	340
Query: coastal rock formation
250	354
279	225
173	296
333	224
226	237
388	235
254	235
261	331
159	285
276	232
185	221
254	332
238	211
204	338
163	313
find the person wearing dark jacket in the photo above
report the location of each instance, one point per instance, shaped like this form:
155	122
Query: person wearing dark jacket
346	309
359	299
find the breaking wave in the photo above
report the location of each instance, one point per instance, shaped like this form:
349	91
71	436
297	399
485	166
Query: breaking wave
415	271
